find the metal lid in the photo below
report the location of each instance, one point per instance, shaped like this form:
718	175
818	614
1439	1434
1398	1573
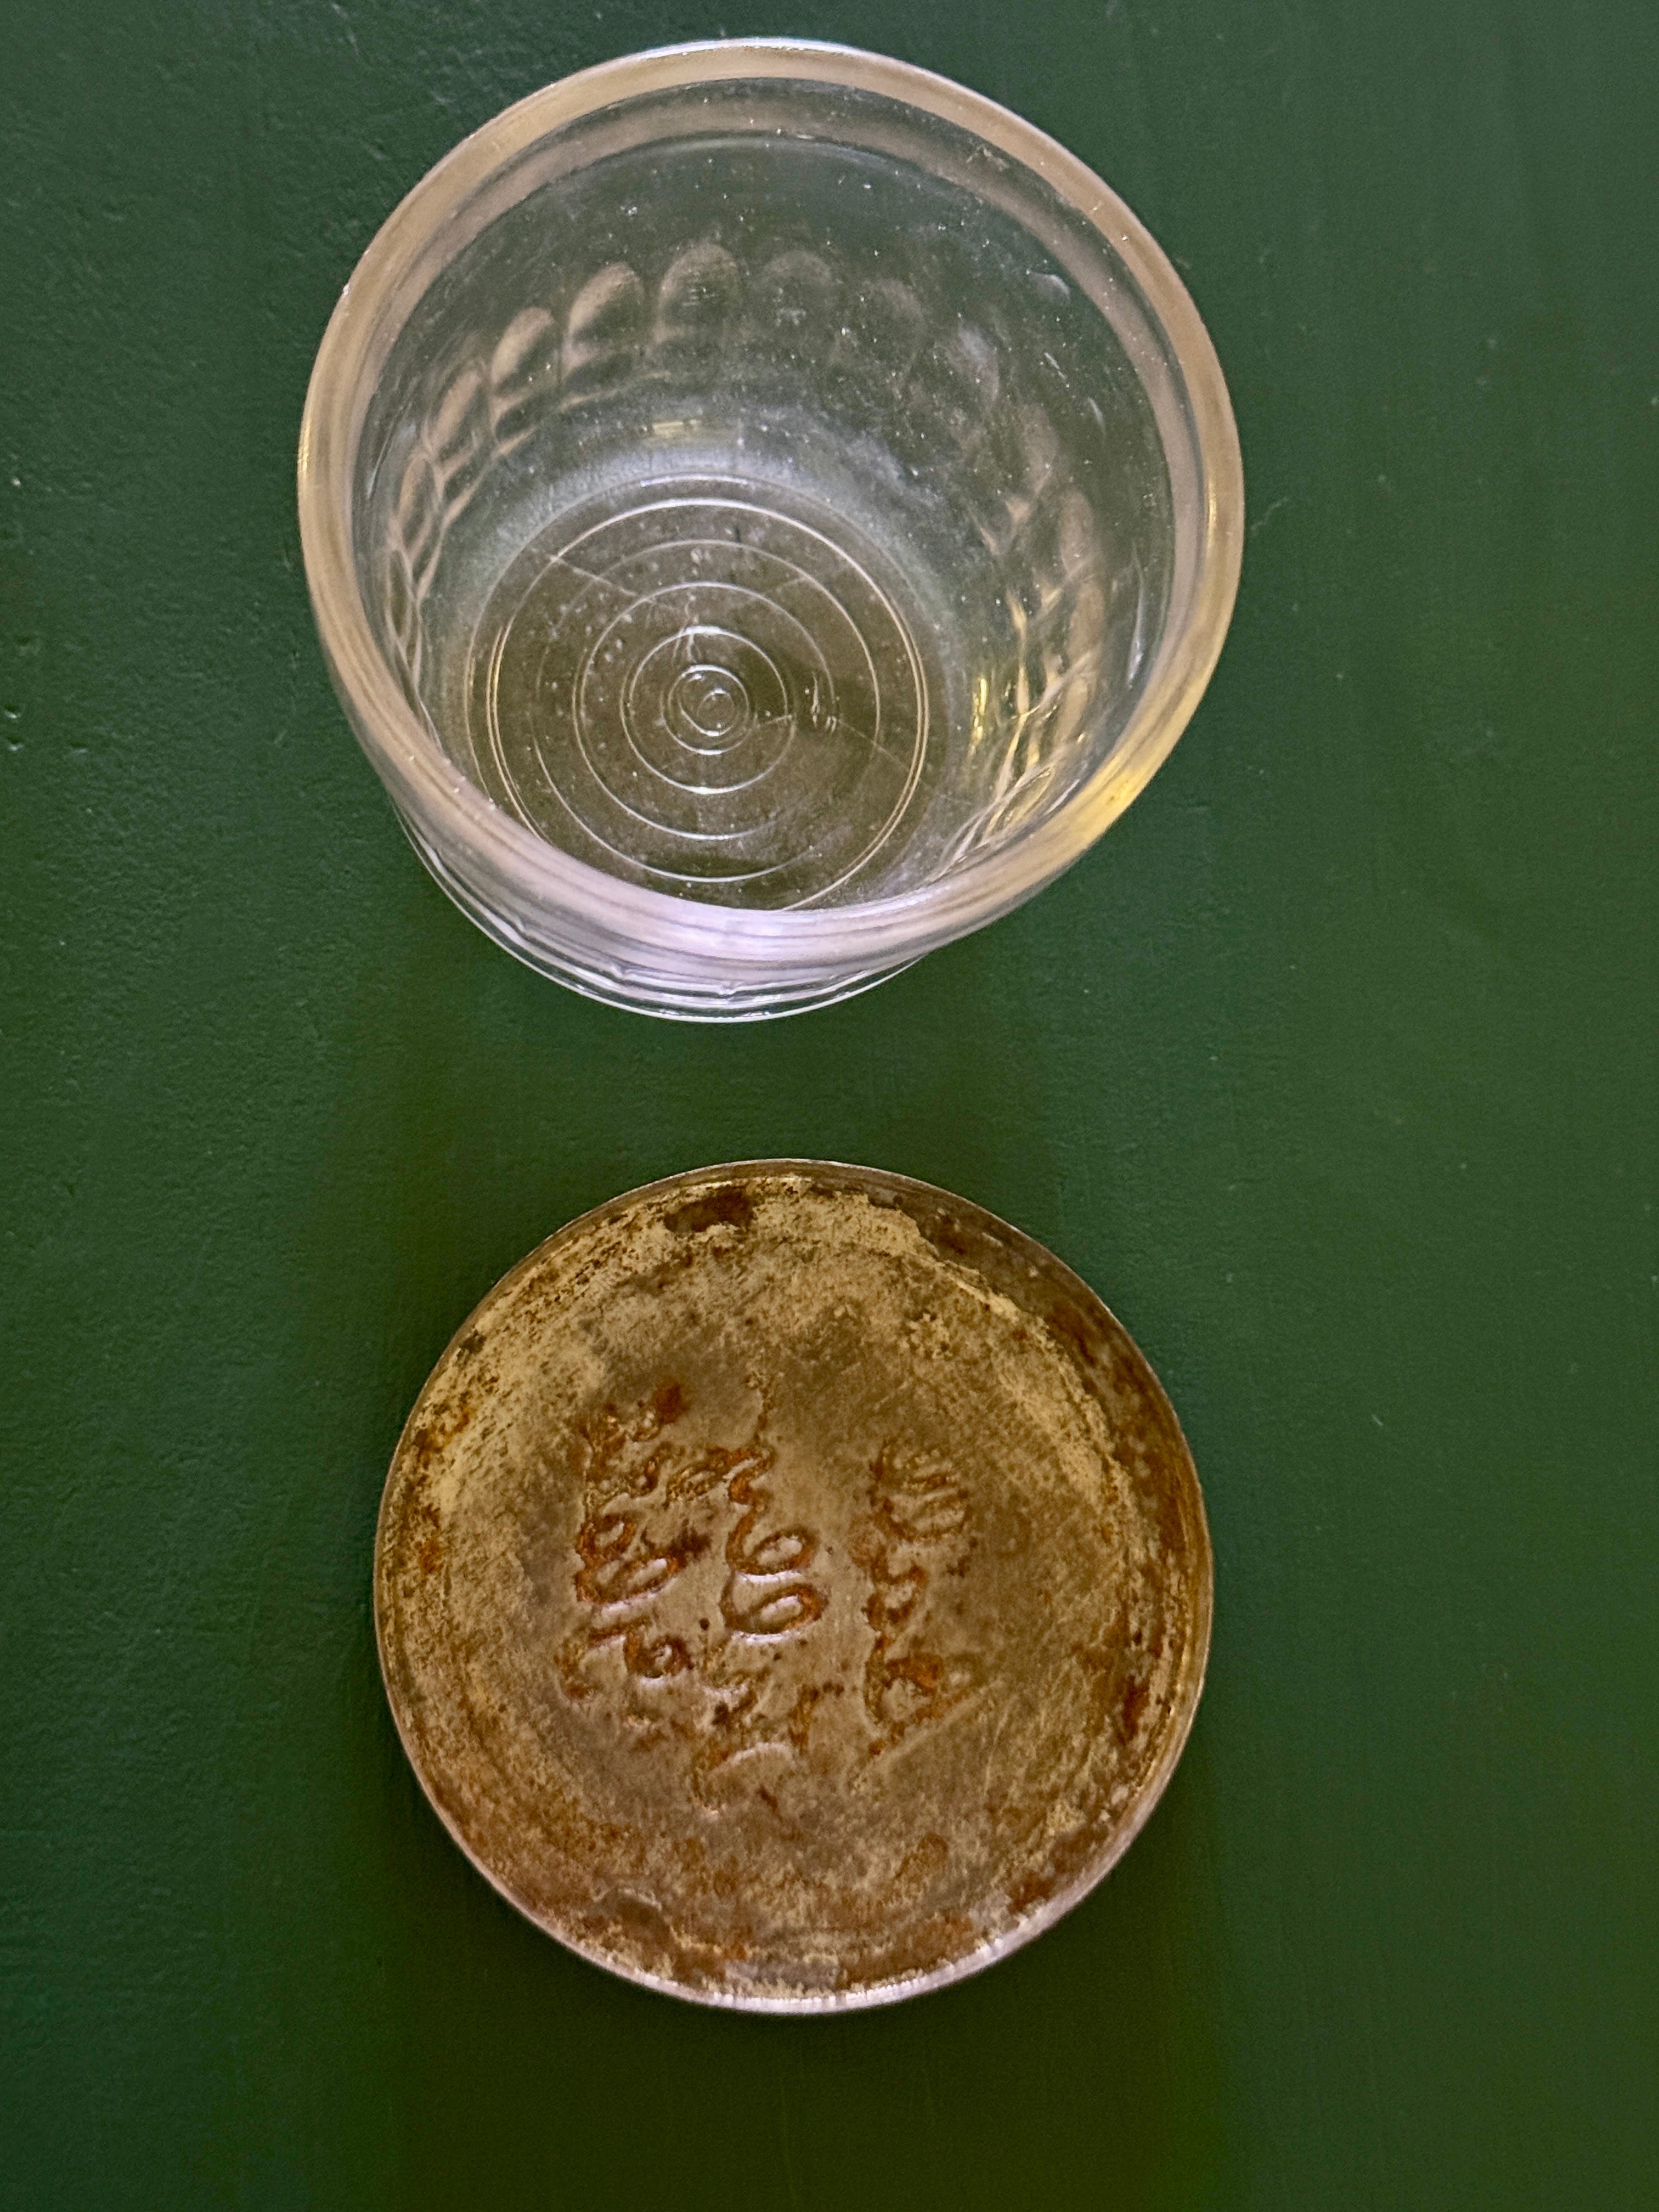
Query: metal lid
792	1587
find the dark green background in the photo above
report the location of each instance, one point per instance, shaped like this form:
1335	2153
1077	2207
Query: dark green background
1333	1067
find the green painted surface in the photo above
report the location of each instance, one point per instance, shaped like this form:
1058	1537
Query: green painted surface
1334	1068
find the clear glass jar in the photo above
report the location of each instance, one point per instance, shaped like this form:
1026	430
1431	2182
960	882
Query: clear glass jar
768	510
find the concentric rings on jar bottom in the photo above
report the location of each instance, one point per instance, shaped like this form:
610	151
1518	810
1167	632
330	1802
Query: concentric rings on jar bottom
704	693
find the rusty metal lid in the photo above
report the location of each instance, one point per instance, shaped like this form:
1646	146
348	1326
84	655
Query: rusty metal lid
792	1587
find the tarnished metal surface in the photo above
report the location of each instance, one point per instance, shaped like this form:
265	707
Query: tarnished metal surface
792	1587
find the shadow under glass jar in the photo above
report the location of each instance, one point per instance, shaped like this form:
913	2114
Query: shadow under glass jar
768	510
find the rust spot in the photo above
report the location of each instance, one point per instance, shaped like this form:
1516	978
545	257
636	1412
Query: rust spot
798	1726
732	1208
668	1404
926	1944
691	1544
1134	1700
470	1344
426	1536
1069	1855
446	1421
945	1235
1031	1888
1067	1325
